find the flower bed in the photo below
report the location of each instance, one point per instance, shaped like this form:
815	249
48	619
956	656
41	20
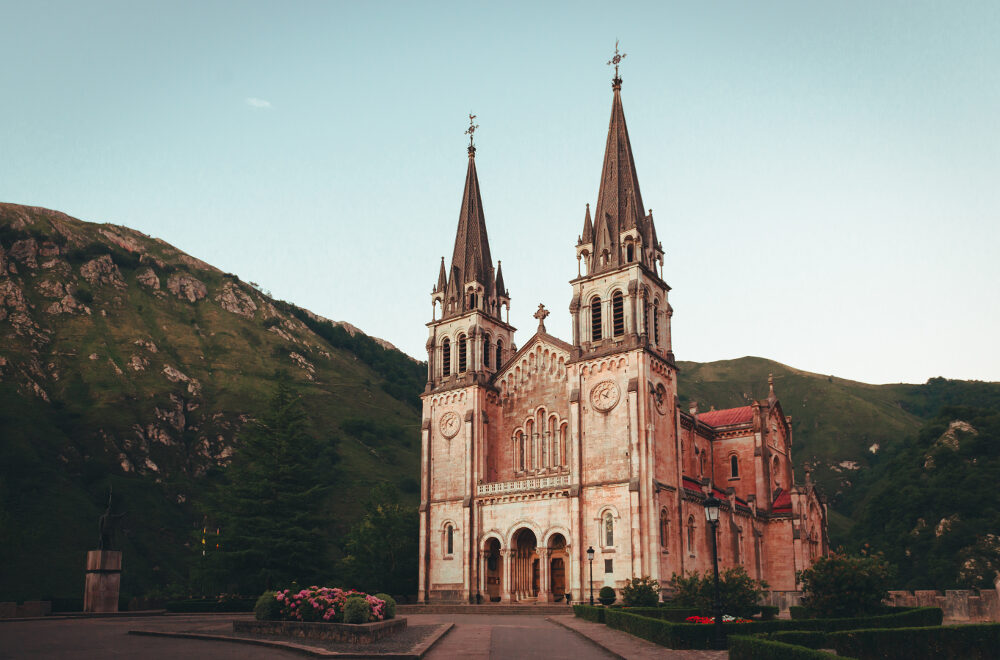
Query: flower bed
353	633
726	618
326	604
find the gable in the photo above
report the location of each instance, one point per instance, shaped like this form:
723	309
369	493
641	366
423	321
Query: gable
544	357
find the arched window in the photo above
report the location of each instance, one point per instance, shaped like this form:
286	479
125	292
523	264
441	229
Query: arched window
656	322
486	350
734	467
645	317
562	445
519	444
629	252
461	354
450	539
618	313
609	529
529	440
499	352
595	319
664	527
472	300
446	357
691	534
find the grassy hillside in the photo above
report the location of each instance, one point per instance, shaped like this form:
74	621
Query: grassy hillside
125	361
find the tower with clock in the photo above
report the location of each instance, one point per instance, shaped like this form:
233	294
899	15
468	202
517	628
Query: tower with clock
530	457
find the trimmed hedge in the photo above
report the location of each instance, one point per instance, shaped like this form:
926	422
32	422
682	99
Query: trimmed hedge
807	638
676	614
589	612
971	642
798	612
742	647
700	636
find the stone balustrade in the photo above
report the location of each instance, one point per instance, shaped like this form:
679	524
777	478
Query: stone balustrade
520	485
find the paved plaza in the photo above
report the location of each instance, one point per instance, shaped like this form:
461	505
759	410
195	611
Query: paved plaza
480	637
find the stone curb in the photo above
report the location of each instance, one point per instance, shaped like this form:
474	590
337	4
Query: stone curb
586	637
313	651
72	616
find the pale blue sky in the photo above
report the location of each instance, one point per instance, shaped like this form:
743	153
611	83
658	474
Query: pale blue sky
825	177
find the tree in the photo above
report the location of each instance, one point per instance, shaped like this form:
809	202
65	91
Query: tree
380	550
841	585
269	508
738	592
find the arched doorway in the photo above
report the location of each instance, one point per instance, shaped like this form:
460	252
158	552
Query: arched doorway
494	570
558	558
524	566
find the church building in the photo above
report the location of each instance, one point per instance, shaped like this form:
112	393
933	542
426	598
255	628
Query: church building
530	456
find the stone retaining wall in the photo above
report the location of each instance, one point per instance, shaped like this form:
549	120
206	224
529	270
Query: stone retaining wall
957	604
30	608
360	633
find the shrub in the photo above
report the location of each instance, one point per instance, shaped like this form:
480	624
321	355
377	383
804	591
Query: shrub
799	612
357	610
86	296
325	604
970	642
768	612
641	592
267	607
390	605
589	613
840	585
738	592
606	595
742	647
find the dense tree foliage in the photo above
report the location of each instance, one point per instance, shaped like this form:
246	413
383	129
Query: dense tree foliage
844	586
738	592
380	551
931	504
269	508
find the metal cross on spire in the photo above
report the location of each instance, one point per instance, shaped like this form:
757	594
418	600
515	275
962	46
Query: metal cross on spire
471	130
616	60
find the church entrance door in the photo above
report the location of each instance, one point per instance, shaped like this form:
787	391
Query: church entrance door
558	572
524	567
494	570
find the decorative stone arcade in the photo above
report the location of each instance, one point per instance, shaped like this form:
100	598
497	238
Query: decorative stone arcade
525	568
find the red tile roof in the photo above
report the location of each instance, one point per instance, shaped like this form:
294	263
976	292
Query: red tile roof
692	484
783	502
728	416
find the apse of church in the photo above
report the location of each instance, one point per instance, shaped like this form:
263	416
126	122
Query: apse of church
532	455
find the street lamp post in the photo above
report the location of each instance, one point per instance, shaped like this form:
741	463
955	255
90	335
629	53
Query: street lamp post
712	516
590	557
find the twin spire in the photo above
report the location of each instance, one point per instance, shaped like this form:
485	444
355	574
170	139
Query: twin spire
619	215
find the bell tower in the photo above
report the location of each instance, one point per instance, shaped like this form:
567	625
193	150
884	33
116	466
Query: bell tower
469	339
619	297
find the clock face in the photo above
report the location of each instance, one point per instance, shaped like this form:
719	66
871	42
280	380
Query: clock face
605	395
450	424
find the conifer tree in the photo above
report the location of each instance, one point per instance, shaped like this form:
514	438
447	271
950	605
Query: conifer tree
380	550
269	508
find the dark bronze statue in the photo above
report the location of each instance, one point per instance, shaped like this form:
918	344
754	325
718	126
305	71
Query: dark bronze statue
107	526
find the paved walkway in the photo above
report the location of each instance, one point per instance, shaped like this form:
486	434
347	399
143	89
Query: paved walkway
624	645
509	636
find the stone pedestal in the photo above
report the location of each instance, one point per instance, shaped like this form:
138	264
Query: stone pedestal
104	574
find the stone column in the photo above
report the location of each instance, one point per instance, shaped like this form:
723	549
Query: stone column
425	478
544	595
484	588
506	578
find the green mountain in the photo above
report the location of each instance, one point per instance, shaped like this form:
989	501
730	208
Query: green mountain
125	362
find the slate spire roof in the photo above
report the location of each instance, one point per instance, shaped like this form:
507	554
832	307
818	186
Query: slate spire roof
471	260
619	201
588	228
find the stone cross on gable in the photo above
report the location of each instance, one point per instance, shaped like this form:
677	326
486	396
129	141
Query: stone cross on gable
540	315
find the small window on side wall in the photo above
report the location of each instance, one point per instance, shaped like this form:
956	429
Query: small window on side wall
449	533
609	565
734	467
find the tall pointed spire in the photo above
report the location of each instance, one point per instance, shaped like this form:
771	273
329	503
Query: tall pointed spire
442	282
471	260
588	228
501	290
619	201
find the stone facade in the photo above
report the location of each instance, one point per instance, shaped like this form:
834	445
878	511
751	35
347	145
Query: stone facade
531	456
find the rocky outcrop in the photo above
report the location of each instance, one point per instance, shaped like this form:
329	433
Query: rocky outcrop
102	271
145	343
304	364
67	305
122	240
51	288
147	277
175	376
233	299
25	251
138	363
185	286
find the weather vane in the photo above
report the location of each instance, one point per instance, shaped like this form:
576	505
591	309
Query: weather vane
471	130
616	60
